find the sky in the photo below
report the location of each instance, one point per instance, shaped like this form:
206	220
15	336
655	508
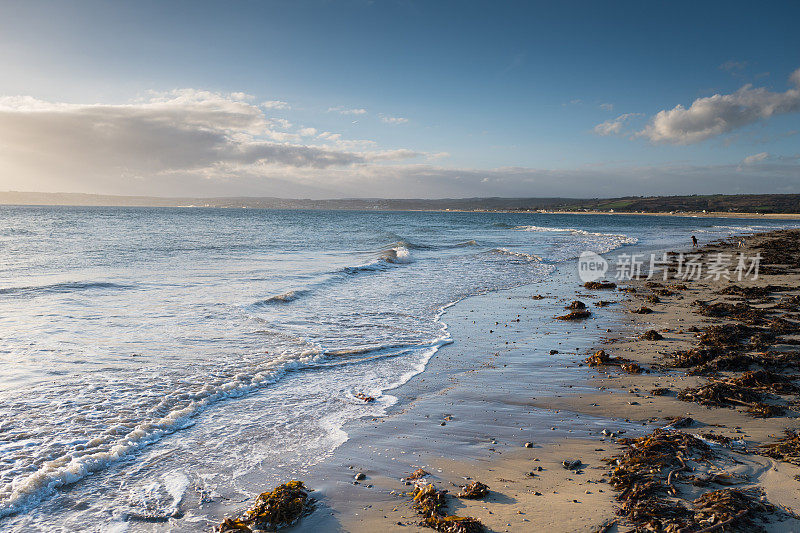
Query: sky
399	99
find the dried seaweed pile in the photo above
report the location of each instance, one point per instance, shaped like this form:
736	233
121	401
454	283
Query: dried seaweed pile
596	285
474	491
652	335
575	315
752	292
283	506
601	358
786	448
736	509
780	248
726	335
740	311
748	390
431	504
646	475
720	393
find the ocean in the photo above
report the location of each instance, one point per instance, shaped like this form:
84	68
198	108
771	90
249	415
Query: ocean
151	352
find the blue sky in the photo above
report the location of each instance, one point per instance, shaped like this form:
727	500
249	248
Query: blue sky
404	98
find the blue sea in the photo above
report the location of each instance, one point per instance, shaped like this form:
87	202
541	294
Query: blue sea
150	352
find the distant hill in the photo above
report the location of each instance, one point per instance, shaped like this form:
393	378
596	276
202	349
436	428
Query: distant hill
738	203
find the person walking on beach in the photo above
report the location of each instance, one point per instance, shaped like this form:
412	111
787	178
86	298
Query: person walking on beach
694	241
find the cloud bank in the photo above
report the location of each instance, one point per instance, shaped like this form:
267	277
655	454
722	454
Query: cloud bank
181	134
198	143
614	126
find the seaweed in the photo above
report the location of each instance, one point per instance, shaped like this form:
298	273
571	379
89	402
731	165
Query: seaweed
764	380
577	304
631	368
643	472
282	506
653	299
752	292
603	303
601	358
417	474
786	448
575	315
725	335
431	504
474	491
652	335
693	357
595	285
364	397
741	311
736	509
781	325
730	362
642	311
766	410
648	469
720	393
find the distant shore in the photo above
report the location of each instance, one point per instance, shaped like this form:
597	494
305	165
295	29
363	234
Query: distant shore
714	214
779	206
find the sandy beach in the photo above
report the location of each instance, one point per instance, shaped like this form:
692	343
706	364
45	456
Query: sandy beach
512	400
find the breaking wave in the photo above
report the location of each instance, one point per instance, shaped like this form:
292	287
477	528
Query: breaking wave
283	298
517	255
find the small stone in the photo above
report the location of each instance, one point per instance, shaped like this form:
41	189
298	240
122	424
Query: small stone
529	445
360	476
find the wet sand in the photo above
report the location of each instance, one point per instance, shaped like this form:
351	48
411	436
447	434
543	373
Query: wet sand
498	387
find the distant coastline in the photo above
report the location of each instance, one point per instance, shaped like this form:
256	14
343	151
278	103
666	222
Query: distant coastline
775	206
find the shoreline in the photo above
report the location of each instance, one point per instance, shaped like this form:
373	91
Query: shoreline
594	400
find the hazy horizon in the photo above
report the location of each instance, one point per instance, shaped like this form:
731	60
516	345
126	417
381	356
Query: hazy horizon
399	100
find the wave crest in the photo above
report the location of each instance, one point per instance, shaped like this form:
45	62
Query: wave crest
283	298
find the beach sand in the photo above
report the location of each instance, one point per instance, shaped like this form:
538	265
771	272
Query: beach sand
498	387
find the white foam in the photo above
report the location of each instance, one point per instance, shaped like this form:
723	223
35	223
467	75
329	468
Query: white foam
25	491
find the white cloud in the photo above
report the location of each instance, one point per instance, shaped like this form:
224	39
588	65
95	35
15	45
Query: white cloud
347	111
607	106
328	136
722	113
614	126
394	120
755	158
307	132
275	104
